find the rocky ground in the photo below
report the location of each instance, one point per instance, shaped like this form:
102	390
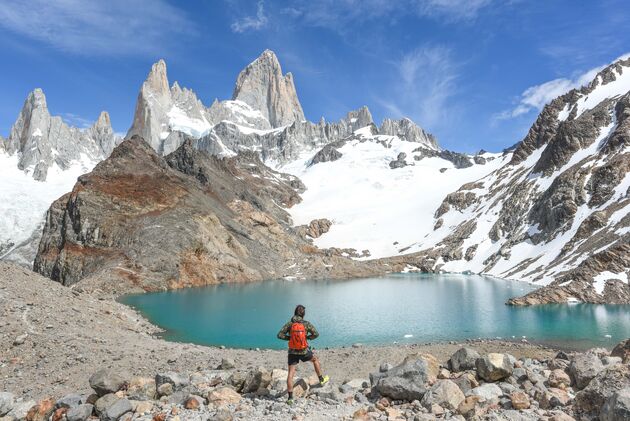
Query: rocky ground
60	346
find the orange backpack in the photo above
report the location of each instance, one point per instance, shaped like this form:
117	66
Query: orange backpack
297	336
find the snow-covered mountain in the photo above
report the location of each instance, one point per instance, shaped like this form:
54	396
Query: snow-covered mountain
39	161
557	213
553	210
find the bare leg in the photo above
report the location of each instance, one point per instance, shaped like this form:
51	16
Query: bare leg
318	369
290	378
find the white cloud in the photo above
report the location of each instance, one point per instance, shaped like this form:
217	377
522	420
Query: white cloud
426	81
452	9
337	14
536	97
76	120
253	23
90	27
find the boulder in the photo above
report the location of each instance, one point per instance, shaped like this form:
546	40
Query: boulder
494	367
622	350
617	407
610	360
223	396
70	401
519	400
406	381
165	389
105	402
559	378
583	368
466	382
175	398
59	414
79	413
590	400
487	391
142	388
469	406
106	381
194	402
328	391
116	410
177	380
227	364
6	403
444	393
41	411
20	409
143	407
463	359
258	378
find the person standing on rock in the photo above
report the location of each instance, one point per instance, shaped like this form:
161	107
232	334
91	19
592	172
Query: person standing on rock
297	331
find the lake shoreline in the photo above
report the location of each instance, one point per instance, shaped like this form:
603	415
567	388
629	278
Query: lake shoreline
57	337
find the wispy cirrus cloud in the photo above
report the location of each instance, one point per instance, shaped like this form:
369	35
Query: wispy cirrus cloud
337	14
453	10
94	27
252	23
426	81
536	97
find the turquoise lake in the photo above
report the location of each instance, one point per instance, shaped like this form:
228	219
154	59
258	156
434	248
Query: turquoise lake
402	308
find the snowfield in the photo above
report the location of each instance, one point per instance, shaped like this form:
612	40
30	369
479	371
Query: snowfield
25	200
373	206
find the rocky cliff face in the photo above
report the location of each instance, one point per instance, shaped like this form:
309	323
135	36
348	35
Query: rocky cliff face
262	86
143	222
41	140
557	213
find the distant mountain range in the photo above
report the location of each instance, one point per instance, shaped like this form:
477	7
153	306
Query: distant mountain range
360	198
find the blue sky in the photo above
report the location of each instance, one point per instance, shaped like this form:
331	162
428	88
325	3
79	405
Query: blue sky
473	72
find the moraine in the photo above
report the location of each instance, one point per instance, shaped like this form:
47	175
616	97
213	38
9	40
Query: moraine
403	308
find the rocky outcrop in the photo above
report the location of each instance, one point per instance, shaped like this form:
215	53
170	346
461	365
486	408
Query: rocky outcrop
41	140
143	222
407	130
262	86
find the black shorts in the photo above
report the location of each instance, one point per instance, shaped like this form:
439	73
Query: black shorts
296	358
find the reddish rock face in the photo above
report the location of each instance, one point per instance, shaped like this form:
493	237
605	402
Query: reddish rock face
143	222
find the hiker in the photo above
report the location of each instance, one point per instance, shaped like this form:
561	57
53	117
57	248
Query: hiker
297	331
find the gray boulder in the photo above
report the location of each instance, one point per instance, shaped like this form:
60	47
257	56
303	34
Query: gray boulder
494	367
488	391
6	403
617	407
406	381
79	413
463	359
20	409
444	393
583	368
116	410
70	401
106	381
105	402
590	400
227	364
177	380
258	378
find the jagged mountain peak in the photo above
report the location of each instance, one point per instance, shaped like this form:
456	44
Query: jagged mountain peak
103	120
262	86
157	79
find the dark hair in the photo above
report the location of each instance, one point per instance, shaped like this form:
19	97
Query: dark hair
300	310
